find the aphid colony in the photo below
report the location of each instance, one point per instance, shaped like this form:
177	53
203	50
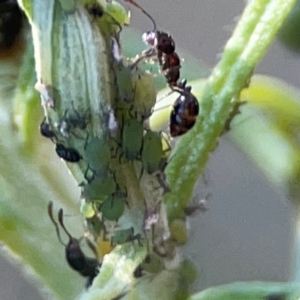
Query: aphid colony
106	160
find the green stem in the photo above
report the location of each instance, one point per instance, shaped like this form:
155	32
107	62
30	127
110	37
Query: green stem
253	34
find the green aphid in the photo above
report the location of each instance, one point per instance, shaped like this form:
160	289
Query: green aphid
113	207
117	12
152	151
122	236
144	93
124	83
100	188
132	137
110	16
97	155
152	264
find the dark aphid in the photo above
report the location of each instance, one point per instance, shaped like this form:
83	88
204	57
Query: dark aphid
85	266
45	130
184	113
11	21
78	120
68	154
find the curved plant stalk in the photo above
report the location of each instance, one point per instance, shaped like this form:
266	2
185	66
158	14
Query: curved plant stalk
253	34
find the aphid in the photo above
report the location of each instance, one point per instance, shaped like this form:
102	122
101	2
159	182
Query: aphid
152	151
113	207
144	93
97	155
78	120
45	130
85	266
152	264
99	188
68	154
184	113
11	21
132	136
75	120
122	236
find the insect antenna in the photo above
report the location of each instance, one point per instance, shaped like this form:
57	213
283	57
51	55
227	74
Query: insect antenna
132	2
50	213
61	222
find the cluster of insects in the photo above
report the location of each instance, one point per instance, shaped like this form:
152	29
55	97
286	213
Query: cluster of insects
127	141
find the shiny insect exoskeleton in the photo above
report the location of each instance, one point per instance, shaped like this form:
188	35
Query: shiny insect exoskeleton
163	46
85	266
184	113
46	130
68	154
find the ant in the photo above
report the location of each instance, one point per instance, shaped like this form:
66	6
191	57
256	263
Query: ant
186	107
162	46
85	266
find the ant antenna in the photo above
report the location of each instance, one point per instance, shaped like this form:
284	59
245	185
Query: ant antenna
50	213
132	2
61	222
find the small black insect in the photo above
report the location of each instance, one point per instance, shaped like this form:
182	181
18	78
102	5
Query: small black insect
85	266
68	154
45	130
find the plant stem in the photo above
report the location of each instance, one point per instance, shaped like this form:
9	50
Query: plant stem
253	34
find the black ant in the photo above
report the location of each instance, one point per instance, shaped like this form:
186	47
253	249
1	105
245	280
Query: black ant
85	266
